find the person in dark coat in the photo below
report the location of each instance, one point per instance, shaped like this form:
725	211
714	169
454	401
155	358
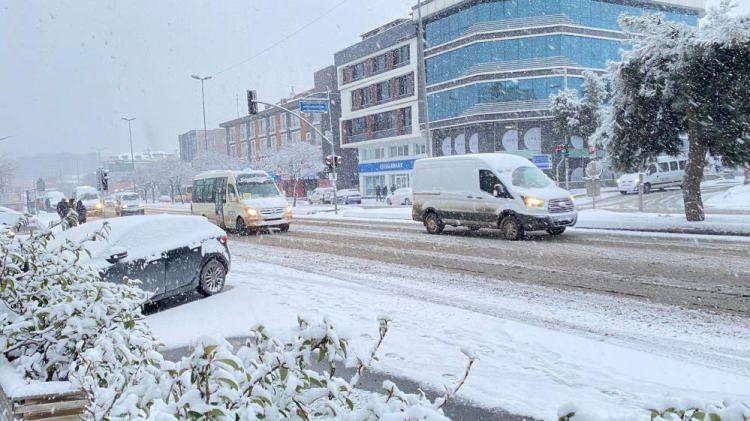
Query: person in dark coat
62	208
81	211
377	193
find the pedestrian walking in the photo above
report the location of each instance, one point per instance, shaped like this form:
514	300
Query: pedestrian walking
81	211
62	208
393	188
377	192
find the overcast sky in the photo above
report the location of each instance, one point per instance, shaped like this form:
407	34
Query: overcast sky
70	69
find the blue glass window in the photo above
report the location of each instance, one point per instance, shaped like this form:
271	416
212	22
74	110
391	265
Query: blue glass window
452	103
593	13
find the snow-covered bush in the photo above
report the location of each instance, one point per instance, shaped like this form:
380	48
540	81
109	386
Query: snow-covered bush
58	308
683	410
269	378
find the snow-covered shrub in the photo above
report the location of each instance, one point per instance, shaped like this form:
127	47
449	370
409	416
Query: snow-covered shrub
58	308
269	378
684	410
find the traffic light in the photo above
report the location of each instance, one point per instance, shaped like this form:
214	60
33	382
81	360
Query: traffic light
558	148
331	159
252	104
566	150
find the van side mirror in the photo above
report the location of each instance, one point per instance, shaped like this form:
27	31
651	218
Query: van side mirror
500	191
232	197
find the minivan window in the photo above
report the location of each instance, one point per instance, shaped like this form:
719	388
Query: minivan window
130	197
256	187
487	181
682	164
88	196
673	165
663	166
530	177
652	169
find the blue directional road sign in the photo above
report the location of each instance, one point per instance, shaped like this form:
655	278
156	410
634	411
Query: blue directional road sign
313	106
542	161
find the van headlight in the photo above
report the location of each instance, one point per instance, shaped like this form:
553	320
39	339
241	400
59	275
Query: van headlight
251	212
532	202
124	206
99	206
288	209
140	205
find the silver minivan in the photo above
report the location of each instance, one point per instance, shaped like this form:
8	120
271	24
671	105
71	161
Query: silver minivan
491	190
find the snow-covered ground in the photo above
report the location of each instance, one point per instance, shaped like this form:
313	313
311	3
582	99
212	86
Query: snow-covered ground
737	197
588	218
539	347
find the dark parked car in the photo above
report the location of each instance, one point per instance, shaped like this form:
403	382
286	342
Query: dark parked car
168	254
349	196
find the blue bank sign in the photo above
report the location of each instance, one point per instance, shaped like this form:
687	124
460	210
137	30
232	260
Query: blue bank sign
406	164
542	162
313	106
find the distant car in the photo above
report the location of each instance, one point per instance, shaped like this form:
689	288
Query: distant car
401	196
129	203
90	198
165	199
348	196
168	254
320	195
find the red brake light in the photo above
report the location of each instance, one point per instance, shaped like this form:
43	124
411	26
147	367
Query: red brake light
223	239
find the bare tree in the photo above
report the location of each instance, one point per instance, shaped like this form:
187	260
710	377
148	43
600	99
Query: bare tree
297	161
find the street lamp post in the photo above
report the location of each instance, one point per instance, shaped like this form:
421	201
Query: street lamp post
132	157
203	103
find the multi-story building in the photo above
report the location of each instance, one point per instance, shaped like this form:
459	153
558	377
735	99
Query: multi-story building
257	137
491	66
194	143
379	105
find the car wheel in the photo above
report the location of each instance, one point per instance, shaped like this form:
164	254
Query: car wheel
556	230
407	202
284	227
624	193
474	228
240	226
213	275
388	202
511	228
647	188
434	224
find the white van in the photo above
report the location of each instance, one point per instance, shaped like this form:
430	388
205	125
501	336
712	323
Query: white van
667	171
489	190
240	200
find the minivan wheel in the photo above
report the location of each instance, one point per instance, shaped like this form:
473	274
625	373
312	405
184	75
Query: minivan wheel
388	202
647	188
284	227
213	275
556	230
511	228
434	224
407	202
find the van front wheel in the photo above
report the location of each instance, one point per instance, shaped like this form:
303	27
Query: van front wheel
556	230
434	224
511	228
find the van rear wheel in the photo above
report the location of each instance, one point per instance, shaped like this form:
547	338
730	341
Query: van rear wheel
511	228
434	224
556	230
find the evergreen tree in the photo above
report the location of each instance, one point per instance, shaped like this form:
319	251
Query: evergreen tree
680	80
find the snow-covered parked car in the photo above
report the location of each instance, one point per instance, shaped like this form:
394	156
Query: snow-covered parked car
168	254
348	196
401	196
321	195
9	217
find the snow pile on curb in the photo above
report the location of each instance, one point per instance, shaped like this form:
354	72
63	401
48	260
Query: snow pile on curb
714	224
735	198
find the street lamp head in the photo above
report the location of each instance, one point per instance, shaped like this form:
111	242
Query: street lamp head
128	119
195	77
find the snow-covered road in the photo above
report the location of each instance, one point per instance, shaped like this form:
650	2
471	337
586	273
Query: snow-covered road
542	342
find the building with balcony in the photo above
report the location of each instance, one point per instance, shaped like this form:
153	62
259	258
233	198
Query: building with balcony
257	137
377	79
491	66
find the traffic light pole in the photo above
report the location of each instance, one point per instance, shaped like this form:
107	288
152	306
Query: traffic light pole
330	142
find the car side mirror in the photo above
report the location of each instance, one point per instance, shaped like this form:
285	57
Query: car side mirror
500	191
232	197
117	256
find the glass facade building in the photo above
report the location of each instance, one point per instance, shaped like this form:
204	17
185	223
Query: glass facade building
491	66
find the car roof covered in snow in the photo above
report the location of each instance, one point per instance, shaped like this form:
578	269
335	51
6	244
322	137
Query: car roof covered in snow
141	236
496	160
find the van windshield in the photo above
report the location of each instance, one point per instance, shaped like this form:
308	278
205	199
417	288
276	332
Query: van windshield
130	197
256	187
530	177
88	196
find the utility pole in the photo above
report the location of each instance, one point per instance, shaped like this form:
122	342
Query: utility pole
333	154
422	90
132	157
203	103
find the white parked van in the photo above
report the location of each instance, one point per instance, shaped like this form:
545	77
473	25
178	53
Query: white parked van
666	172
240	200
490	190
